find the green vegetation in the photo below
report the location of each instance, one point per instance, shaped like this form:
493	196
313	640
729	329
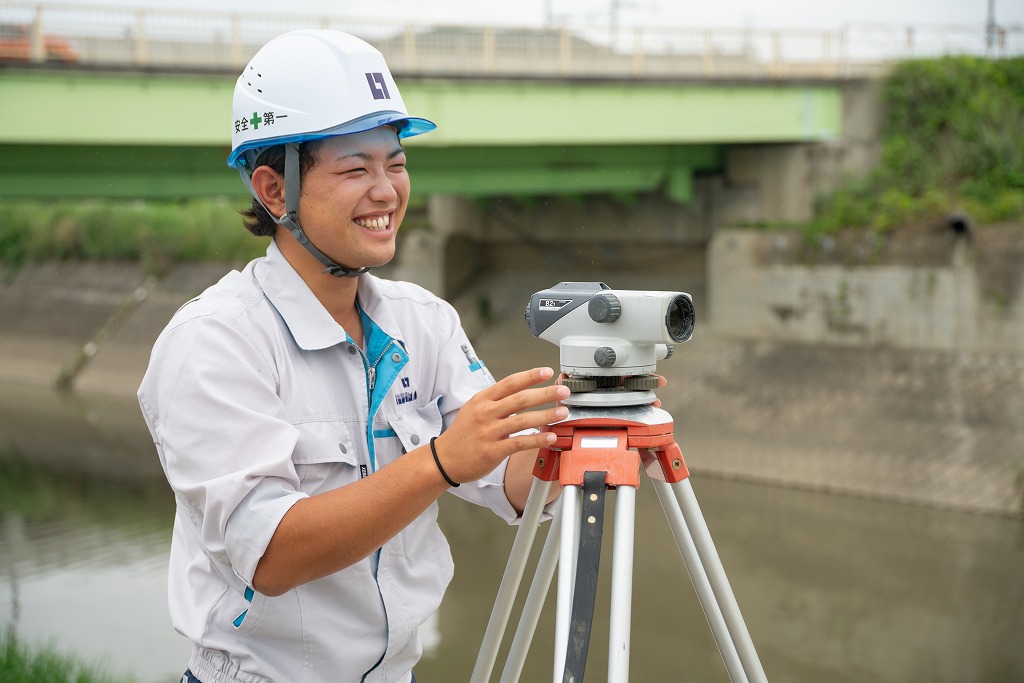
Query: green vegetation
953	141
156	233
20	664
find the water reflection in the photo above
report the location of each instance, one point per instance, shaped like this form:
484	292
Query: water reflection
833	589
94	591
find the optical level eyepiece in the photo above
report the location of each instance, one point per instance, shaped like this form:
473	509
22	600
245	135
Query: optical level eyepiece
679	318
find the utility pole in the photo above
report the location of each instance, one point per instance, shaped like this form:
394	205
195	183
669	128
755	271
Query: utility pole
614	16
990	28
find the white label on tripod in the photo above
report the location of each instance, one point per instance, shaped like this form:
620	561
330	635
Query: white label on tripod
599	442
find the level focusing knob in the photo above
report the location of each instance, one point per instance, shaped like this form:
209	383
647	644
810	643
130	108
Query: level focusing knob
604	357
604	308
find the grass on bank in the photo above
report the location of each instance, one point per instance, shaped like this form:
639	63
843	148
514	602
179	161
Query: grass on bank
156	233
22	664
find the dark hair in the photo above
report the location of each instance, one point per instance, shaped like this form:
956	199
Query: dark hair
256	219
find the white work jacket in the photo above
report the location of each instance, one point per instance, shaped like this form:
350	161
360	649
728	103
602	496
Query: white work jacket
257	398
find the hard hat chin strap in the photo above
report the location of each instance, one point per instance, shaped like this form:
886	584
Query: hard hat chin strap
290	219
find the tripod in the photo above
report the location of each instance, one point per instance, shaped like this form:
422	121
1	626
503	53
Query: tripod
599	448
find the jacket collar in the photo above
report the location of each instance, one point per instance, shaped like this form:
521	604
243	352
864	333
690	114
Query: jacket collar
310	324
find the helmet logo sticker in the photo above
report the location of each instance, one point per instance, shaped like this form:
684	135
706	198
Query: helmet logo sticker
378	87
268	118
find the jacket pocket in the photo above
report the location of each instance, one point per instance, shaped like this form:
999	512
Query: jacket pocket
249	608
326	455
417	428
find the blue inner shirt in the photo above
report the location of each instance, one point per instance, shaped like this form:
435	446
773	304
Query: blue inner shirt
384	358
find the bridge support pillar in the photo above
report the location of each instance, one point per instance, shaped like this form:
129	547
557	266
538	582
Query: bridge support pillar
436	245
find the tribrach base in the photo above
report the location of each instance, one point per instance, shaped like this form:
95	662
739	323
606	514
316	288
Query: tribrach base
583	445
614	441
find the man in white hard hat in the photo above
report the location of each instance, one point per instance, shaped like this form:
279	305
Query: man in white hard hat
308	415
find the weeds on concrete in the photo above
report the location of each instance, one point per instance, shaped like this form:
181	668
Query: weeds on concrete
951	144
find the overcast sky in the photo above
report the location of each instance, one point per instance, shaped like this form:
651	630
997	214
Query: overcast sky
826	14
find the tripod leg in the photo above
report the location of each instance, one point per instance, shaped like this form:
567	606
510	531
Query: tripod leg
566	574
534	604
588	563
622	585
719	582
510	581
701	585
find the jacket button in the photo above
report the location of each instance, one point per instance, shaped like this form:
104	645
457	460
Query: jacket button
415	438
352	349
341	447
397	357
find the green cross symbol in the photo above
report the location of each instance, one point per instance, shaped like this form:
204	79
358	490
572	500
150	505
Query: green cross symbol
255	121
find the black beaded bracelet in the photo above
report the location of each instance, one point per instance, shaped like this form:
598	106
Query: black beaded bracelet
433	452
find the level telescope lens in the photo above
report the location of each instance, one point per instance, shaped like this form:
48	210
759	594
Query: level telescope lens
680	318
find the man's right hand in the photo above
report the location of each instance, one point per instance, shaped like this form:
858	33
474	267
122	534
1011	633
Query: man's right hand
480	436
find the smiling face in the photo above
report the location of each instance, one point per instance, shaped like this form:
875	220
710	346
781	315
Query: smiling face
354	198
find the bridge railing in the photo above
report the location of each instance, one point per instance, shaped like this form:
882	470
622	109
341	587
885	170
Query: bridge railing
195	40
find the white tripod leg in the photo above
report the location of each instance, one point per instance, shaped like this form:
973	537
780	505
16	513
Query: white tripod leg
570	536
701	585
719	582
534	604
622	585
510	581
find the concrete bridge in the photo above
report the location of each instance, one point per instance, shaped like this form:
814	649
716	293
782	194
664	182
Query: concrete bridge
632	164
135	103
86	132
707	126
629	167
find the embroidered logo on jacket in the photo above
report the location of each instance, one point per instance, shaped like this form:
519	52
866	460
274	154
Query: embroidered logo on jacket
405	396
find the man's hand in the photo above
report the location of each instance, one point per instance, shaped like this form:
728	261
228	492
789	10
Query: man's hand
661	382
479	438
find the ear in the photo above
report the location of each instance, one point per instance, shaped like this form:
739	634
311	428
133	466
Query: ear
269	185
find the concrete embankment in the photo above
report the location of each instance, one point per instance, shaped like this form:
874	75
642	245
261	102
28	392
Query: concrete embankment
937	426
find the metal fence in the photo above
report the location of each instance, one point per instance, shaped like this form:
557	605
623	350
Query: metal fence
195	40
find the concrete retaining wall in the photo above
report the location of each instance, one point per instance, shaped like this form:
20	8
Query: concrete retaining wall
952	302
895	398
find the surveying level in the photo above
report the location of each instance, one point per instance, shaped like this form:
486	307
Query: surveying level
612	431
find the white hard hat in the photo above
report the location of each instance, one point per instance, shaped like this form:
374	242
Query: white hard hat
307	85
311	84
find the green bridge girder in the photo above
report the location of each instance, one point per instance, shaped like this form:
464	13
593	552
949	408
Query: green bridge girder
71	133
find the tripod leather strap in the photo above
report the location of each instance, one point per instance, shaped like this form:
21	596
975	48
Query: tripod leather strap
587	562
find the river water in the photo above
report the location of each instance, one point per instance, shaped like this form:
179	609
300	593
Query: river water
832	588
